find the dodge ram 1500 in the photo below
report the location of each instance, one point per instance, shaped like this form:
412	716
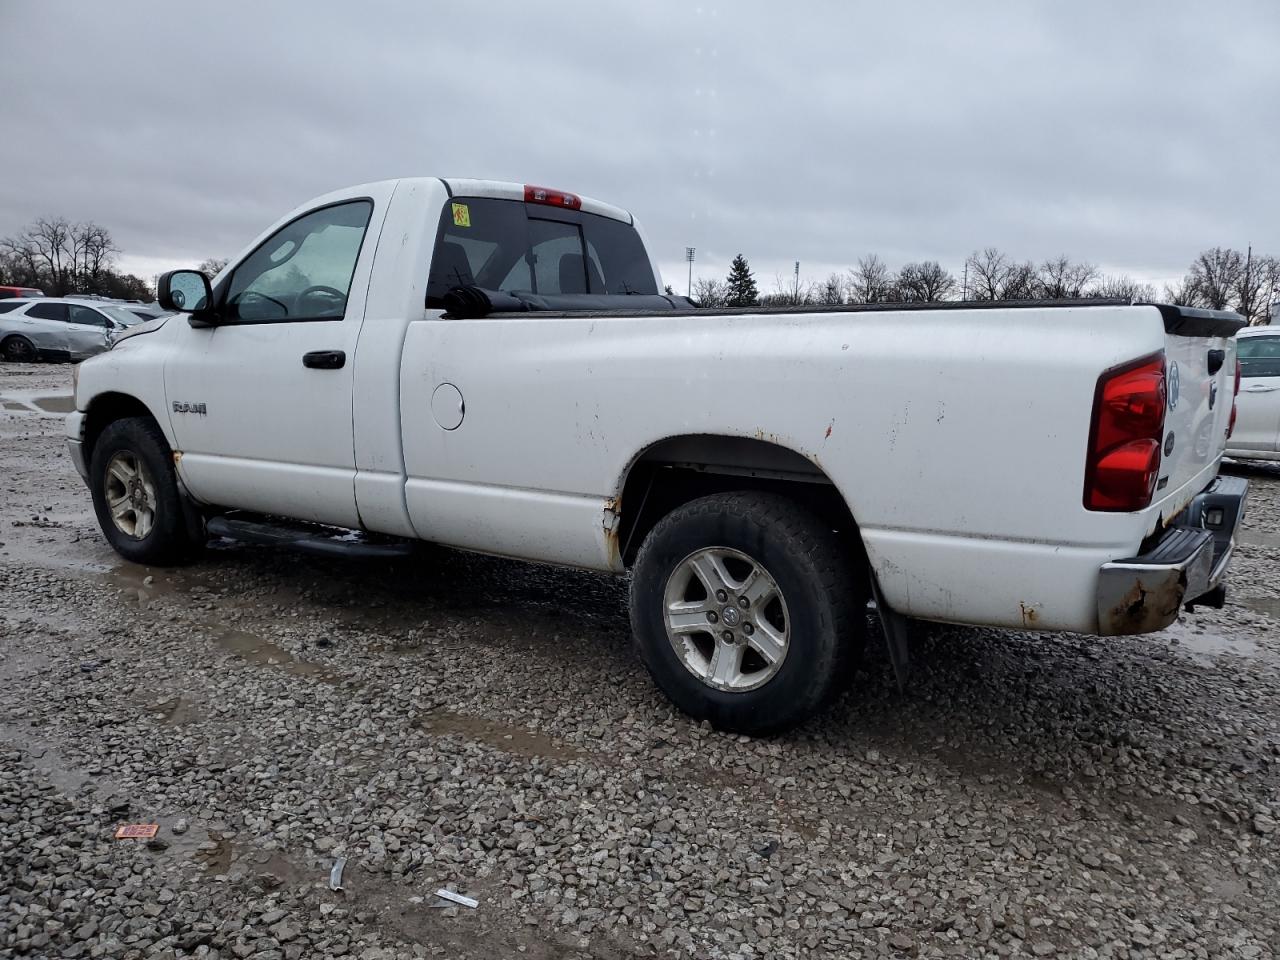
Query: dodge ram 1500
495	367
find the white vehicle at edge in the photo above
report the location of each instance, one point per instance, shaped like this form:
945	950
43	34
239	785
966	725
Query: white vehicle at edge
1257	431
493	367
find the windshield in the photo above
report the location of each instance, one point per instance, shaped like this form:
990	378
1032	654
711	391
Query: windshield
515	247
123	316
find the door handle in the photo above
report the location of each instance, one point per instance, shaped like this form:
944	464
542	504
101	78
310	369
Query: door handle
325	359
1261	389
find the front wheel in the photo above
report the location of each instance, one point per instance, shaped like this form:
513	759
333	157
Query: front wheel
136	496
747	610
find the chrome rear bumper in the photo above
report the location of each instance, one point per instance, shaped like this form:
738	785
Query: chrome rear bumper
1144	593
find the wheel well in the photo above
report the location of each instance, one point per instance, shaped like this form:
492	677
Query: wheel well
105	410
676	471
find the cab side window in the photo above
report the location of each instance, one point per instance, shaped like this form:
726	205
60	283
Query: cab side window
303	271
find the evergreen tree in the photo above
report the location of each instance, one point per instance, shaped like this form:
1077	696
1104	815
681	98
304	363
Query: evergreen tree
742	290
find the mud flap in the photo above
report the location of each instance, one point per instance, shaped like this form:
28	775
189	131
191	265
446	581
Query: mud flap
896	637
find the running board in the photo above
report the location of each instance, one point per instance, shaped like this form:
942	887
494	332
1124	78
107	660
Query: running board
310	538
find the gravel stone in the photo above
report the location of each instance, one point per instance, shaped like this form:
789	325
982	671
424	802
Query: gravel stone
467	721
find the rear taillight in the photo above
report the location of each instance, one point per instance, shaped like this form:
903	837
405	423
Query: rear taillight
1231	424
552	198
1124	442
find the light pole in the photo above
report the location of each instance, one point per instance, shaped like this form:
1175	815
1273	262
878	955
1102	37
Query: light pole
688	255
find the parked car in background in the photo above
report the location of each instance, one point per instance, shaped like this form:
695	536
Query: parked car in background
9	292
1257	432
58	328
144	311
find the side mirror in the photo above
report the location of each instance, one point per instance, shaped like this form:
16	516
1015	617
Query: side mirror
186	291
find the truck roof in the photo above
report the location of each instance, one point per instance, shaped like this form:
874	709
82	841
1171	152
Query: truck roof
498	189
504	190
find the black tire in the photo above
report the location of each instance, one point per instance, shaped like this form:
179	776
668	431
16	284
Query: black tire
167	539
18	349
825	595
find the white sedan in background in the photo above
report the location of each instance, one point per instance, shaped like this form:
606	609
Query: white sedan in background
59	328
1257	432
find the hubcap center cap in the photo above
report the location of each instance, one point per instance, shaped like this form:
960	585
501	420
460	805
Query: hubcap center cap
730	616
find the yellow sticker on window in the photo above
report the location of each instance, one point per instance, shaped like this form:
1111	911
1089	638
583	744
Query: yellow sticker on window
461	215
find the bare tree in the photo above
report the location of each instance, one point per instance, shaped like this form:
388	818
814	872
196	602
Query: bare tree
213	266
924	282
832	291
1122	288
710	292
1216	275
1255	287
1063	279
870	281
988	269
995	277
1184	293
789	291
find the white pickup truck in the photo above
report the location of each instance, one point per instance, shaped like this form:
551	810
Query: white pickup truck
494	367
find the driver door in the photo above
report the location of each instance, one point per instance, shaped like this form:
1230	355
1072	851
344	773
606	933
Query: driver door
261	403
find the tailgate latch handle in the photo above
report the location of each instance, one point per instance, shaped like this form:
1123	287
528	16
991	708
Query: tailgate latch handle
325	359
1216	359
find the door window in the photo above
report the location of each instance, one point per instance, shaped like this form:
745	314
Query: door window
87	316
7	305
49	311
1259	356
303	271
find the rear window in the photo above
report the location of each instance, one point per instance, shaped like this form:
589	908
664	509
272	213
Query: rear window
517	248
1259	356
7	305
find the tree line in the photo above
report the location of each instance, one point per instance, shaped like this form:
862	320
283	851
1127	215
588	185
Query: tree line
1218	279
60	257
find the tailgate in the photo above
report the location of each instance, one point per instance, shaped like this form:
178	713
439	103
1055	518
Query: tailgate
1200	359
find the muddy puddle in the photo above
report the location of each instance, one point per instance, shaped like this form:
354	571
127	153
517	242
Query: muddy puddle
262	653
1206	646
1259	538
1267	606
52	404
506	737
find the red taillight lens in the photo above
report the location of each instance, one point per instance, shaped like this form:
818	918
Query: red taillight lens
1124	443
552	198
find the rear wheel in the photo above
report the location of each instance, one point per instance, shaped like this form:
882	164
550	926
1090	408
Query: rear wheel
136	495
747	610
18	349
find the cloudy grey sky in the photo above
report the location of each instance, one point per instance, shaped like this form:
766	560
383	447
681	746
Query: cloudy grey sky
1130	134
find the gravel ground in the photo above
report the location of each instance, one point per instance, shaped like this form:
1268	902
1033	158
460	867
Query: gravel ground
483	724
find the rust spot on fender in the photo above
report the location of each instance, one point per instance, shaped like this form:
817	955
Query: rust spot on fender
611	522
1029	615
827	435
